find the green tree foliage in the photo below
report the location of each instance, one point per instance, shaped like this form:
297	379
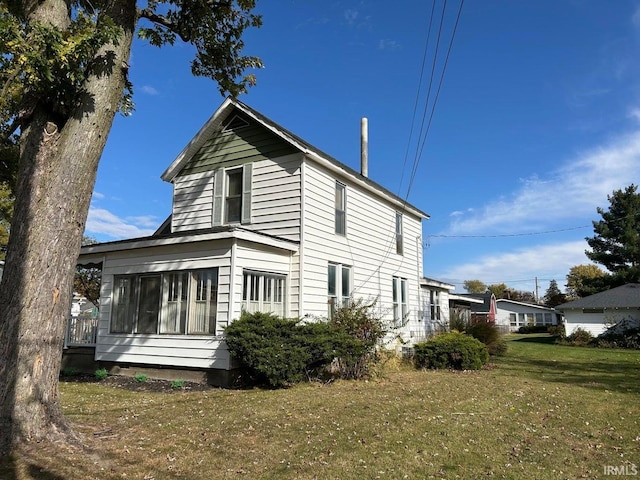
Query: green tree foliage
474	286
88	280
581	278
553	296
616	243
64	73
498	289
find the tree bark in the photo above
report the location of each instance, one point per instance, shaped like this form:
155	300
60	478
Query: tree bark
58	166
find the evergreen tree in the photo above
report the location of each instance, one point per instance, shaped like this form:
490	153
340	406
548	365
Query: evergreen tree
553	296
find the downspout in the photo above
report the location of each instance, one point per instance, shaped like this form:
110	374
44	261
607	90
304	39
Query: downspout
301	312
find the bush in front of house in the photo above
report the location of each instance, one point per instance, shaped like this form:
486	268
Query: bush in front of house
579	338
628	339
489	334
358	331
533	329
451	350
273	350
556	331
278	352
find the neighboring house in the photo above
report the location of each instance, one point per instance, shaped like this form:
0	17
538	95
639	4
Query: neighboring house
485	309
261	221
513	315
615	308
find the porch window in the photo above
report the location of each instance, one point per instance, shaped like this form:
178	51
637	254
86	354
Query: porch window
513	320
171	303
263	292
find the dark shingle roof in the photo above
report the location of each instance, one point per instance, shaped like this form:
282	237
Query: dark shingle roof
626	296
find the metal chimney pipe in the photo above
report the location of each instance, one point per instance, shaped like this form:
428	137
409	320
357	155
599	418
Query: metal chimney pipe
364	147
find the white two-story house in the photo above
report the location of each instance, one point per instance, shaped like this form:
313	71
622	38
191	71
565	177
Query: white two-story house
261	221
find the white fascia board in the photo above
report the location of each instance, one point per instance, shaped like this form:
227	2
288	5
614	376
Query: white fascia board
89	250
462	298
524	304
430	282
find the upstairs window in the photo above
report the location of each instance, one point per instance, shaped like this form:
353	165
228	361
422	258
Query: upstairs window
232	195
341	209
399	246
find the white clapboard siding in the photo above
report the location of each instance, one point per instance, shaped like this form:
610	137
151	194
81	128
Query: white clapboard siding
198	351
192	202
275	198
369	245
594	323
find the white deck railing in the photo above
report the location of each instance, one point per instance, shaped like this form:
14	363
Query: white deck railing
81	331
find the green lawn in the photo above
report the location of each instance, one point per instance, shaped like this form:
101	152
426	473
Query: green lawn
543	411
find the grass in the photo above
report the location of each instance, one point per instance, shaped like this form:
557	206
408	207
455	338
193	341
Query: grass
542	411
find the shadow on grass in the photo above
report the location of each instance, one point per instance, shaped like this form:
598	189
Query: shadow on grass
9	470
544	339
611	375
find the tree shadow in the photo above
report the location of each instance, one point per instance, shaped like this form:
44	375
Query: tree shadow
11	470
543	339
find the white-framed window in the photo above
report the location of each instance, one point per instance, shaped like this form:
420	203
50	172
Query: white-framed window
400	300
263	292
434	305
338	287
341	209
513	320
232	195
166	303
399	239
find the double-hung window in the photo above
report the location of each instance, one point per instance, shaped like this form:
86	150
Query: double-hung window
338	287
341	209
167	303
434	305
400	302
263	292
232	195
399	242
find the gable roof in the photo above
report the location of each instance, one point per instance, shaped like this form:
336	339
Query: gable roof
524	304
485	298
230	105
625	296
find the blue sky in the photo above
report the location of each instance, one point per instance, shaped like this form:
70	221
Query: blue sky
537	121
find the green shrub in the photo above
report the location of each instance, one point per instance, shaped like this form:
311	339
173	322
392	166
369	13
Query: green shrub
489	334
357	333
579	338
140	377
627	339
177	384
101	374
277	351
532	329
70	372
556	331
451	350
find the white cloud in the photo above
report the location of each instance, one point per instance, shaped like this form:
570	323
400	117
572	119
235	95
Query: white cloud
149	90
386	44
97	195
103	222
350	16
522	266
574	189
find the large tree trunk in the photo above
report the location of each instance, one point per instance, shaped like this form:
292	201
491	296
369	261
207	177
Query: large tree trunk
58	165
